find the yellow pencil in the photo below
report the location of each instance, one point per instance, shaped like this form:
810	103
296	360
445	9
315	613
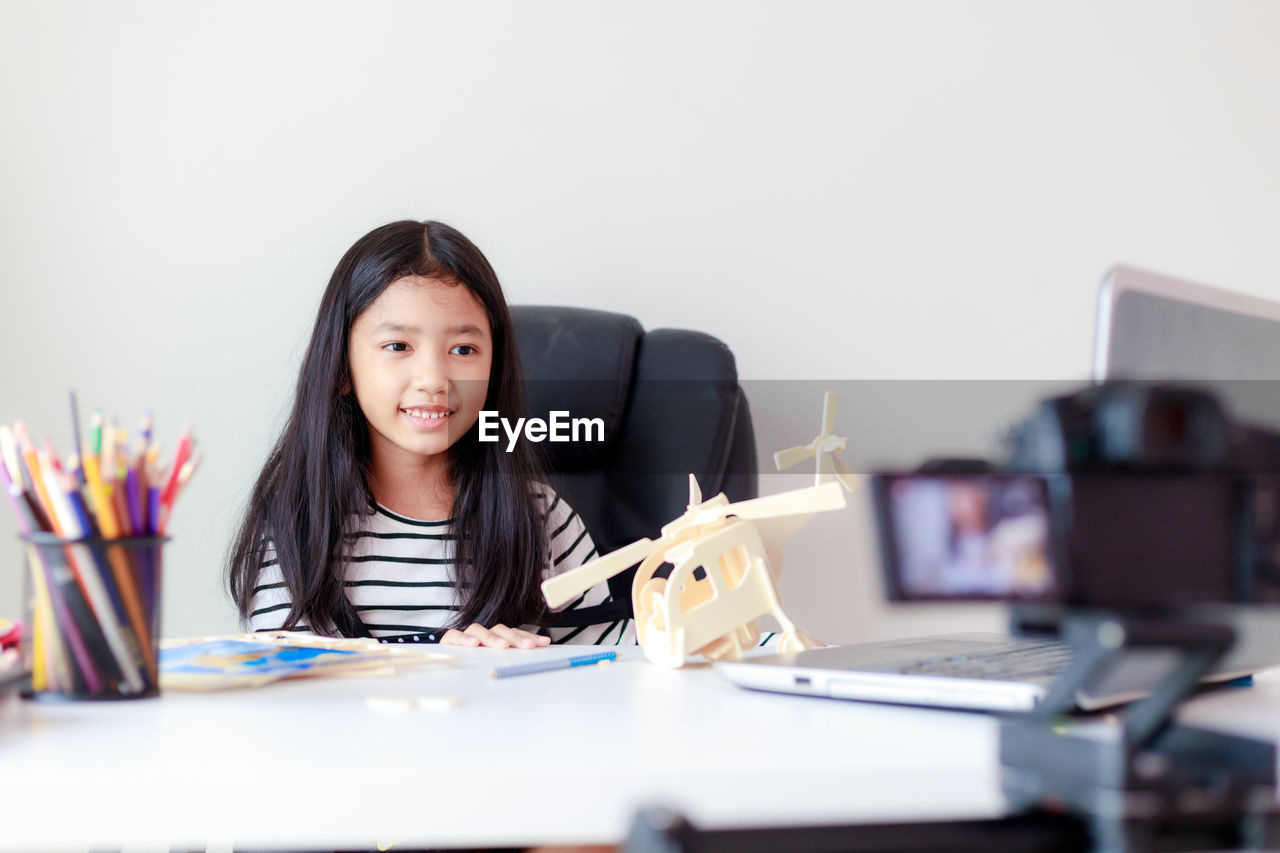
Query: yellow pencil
101	502
119	563
42	641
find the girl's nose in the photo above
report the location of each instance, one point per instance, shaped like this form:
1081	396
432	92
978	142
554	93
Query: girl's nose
430	376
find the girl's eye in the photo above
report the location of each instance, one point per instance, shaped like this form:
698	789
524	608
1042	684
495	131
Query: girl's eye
470	350
398	346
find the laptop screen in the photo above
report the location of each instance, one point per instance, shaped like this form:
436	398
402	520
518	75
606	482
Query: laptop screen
1151	326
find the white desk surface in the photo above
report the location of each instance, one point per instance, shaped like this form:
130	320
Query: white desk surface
565	756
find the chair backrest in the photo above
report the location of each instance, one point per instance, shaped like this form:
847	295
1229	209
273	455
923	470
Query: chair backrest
671	406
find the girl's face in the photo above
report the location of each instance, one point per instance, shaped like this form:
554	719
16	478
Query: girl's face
420	358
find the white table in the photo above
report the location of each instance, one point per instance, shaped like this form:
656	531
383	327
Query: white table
566	756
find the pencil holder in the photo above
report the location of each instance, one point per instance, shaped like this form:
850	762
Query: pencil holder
92	616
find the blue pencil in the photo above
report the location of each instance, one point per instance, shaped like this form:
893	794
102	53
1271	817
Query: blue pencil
548	666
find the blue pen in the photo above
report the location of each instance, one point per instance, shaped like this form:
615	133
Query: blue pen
548	666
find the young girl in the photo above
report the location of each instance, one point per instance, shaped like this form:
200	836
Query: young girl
378	512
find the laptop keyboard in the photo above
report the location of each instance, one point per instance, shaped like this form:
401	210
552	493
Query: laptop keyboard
1015	663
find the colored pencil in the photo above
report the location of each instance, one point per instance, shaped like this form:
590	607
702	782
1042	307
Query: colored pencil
13	470
154	509
75	430
91	631
28	455
188	470
91	581
144	432
42	676
120	504
52	461
551	665
73	617
101	501
76	621
180	457
113	564
107	458
27	521
95	432
9	455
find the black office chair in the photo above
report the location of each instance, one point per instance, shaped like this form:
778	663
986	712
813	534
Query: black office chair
671	406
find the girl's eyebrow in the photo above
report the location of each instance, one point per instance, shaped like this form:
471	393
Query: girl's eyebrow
396	327
468	329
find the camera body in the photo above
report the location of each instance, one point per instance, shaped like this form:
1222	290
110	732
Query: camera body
1126	496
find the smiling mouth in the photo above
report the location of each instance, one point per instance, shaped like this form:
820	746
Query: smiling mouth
428	414
427	419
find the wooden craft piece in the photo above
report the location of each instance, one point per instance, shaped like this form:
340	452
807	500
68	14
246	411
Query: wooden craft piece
401	704
723	557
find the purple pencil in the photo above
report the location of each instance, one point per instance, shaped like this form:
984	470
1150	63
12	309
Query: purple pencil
153	509
133	499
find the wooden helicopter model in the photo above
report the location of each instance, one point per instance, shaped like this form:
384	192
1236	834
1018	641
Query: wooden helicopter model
738	548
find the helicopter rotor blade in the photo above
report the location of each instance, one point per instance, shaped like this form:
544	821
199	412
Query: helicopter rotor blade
563	588
828	496
830	408
844	474
784	459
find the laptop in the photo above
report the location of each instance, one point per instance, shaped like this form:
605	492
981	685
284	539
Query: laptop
1149	326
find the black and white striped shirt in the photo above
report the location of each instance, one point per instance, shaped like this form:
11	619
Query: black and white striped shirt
399	578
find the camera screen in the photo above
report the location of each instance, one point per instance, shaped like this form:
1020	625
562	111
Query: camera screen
965	537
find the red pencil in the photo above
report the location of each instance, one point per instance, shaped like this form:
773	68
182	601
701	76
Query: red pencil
180	458
184	477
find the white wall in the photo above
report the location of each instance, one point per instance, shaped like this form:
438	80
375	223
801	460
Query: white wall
838	190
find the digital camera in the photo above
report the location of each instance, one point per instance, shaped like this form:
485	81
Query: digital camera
1125	496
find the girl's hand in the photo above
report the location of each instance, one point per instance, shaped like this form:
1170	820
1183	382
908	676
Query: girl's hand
497	637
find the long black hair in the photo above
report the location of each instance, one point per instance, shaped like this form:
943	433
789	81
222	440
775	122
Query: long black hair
314	486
